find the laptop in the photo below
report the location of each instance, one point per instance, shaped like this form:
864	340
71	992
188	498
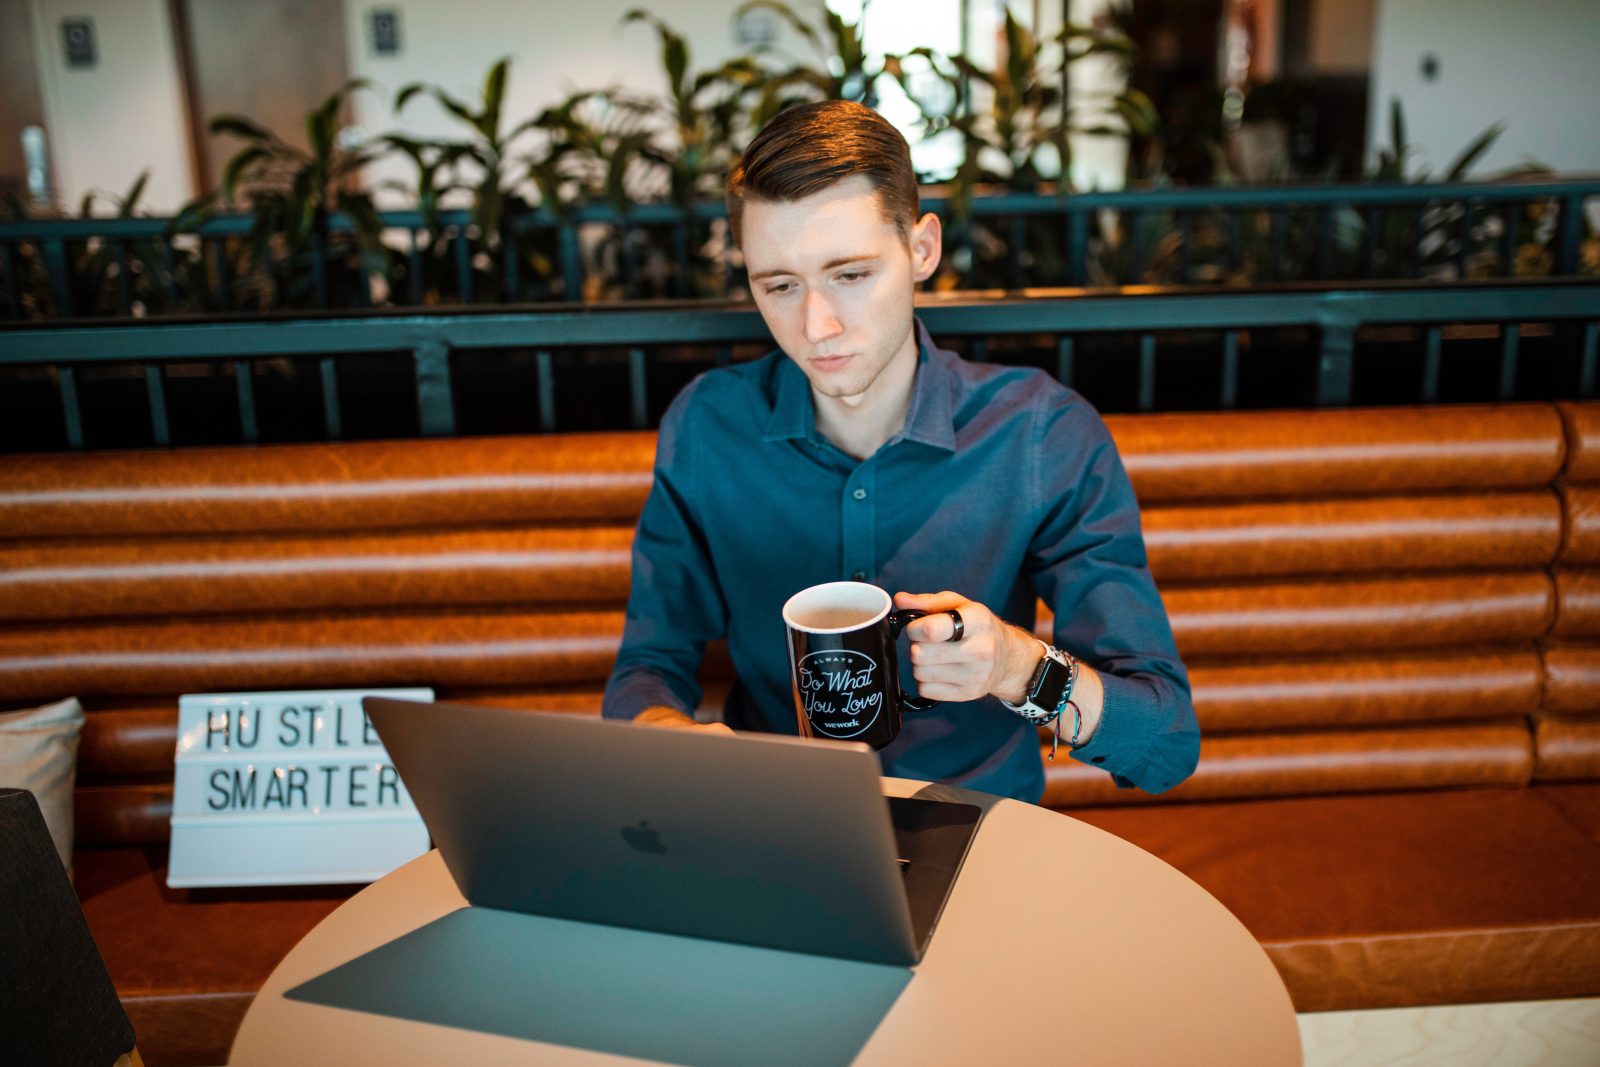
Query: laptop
757	839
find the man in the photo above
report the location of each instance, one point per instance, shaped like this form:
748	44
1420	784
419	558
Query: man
860	451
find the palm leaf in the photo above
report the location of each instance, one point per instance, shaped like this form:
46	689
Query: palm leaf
300	207
969	69
364	217
675	60
487	207
1105	46
319	133
130	199
494	94
1019	51
240	126
741	73
847	43
674	50
349	162
1472	152
193	215
330	106
237	166
410	146
1138	111
454	106
406	93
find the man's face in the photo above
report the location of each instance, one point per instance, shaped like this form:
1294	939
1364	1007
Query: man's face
834	281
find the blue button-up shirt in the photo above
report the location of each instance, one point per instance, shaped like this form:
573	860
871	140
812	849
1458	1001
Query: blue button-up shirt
1004	486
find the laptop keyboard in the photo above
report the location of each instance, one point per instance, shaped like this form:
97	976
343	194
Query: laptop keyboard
932	838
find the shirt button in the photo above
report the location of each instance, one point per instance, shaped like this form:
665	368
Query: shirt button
859	576
1097	759
860	494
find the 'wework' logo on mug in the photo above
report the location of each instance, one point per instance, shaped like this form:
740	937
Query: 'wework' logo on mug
840	691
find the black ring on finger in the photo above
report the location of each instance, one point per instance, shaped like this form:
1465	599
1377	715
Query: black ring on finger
960	627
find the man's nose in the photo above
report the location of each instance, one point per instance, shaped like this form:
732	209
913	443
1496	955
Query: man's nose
821	322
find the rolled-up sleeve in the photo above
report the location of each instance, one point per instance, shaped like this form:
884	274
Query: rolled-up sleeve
1088	563
675	605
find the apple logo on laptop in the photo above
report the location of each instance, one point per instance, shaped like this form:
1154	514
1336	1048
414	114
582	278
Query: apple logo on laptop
643	838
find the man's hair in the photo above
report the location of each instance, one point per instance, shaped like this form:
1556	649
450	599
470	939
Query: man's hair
810	147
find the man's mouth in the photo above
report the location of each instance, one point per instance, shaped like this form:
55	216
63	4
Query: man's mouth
827	363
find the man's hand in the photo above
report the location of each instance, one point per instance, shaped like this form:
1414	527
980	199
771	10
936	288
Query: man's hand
671	717
991	657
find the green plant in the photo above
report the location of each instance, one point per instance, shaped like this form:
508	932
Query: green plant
1407	243
27	292
593	151
152	275
1393	159
106	276
620	148
598	148
1021	135
842	71
489	155
702	110
428	274
1249	247
1016	126
300	259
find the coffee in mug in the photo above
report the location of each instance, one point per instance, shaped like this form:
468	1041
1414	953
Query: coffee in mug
843	664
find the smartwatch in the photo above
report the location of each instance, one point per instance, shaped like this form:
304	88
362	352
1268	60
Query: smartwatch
1050	688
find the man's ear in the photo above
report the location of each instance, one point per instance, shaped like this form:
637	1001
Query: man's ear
927	246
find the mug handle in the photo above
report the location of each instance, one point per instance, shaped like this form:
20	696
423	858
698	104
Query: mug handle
897	626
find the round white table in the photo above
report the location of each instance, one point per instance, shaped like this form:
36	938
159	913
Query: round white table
1060	943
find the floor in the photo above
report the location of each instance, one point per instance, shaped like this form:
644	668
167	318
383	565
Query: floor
1548	1033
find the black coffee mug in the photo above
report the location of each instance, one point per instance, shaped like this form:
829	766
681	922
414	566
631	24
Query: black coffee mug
843	664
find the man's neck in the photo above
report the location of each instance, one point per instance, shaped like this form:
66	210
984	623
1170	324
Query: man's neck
860	425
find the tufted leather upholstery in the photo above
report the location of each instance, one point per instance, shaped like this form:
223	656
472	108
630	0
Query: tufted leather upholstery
1392	619
1567	728
1459	896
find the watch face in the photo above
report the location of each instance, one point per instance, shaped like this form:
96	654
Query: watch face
1037	679
1052	684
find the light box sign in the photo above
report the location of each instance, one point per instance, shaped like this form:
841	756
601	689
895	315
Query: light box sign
290	788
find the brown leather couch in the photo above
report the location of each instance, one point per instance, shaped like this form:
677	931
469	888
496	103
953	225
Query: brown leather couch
1392	619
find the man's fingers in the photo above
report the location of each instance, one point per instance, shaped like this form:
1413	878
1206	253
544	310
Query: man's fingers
947	652
946	691
929	602
944	674
933	628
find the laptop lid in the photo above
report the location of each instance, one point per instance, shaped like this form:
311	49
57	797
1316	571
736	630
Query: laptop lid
763	840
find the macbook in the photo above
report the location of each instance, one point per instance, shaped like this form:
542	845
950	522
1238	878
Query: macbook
763	840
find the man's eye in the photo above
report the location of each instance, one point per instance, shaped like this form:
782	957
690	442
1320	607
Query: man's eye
853	275
778	289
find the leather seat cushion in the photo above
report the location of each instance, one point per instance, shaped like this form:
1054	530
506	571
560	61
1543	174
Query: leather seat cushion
1398	899
185	962
1578	803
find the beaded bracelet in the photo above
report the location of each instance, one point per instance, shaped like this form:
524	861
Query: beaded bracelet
1067	702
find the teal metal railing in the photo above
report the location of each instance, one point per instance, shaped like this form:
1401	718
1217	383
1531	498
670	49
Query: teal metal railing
140	267
559	367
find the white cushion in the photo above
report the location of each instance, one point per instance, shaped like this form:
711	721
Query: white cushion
39	753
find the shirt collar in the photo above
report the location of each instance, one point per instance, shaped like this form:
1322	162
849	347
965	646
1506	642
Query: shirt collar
930	419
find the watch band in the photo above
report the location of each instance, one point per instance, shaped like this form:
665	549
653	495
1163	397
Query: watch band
1049	689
